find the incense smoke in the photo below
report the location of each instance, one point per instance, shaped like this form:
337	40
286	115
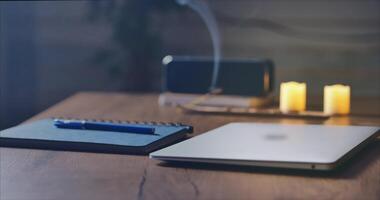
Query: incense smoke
203	10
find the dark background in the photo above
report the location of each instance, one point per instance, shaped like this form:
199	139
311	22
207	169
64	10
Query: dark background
52	49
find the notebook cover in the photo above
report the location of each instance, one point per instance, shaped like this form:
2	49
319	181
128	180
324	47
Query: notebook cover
44	135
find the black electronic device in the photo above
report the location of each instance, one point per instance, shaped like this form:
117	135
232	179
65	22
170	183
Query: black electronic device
243	77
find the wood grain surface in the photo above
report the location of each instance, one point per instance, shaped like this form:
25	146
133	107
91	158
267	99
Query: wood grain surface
42	174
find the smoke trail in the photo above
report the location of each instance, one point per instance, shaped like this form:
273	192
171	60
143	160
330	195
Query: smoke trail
203	10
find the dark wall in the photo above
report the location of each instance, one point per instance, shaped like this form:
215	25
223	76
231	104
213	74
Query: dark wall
18	63
52	49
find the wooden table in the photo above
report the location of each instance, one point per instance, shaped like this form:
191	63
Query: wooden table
41	174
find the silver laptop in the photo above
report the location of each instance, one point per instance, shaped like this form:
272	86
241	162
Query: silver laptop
319	147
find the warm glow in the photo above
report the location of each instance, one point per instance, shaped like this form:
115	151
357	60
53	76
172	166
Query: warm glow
336	99
292	97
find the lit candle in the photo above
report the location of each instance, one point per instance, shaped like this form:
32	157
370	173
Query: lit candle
292	97
336	99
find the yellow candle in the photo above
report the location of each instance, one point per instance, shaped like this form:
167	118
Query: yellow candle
336	99
292	97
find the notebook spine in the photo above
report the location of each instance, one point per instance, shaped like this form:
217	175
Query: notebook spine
153	123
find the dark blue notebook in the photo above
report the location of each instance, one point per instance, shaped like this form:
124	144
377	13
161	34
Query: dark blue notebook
44	135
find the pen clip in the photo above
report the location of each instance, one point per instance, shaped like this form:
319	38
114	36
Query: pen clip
73	123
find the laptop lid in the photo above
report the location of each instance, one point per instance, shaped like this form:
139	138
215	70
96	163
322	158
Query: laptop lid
273	145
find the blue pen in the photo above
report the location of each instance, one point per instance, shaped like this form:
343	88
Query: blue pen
102	126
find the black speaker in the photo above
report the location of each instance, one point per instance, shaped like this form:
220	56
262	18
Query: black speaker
193	75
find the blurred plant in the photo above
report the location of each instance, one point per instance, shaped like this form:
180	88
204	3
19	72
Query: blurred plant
138	51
